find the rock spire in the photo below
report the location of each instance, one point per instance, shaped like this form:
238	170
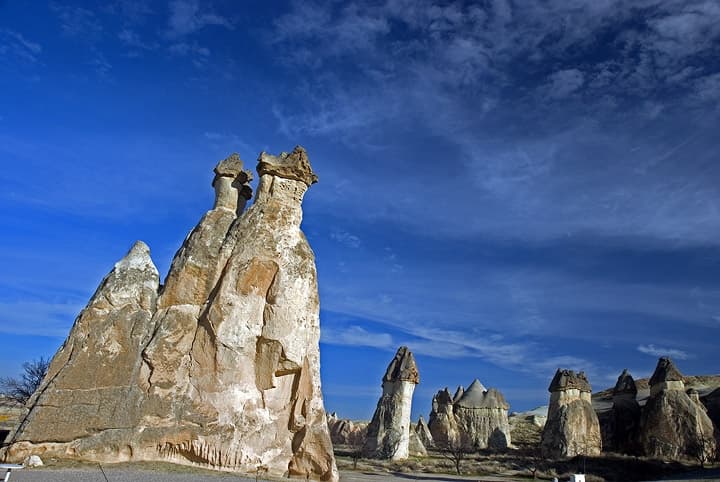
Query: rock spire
388	435
221	368
674	424
572	427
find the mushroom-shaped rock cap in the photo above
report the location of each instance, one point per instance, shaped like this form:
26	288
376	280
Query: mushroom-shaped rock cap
402	367
568	379
294	165
666	371
625	384
232	166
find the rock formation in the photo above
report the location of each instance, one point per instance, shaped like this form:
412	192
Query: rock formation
572	427
441	423
624	418
481	416
674	424
423	432
221	369
347	432
91	387
712	406
388	434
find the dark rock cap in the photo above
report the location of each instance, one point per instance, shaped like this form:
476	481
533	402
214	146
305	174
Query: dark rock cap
625	384
294	165
666	371
402	367
568	379
232	166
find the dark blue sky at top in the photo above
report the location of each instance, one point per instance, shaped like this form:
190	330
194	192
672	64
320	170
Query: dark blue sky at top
506	187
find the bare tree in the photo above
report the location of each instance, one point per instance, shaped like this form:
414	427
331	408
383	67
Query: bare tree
456	450
21	389
703	450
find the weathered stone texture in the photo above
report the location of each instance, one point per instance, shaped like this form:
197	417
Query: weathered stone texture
482	418
225	373
441	422
572	427
624	418
91	385
423	432
388	435
346	432
674	425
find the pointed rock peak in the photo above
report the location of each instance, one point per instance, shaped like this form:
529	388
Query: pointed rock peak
458	393
666	371
474	396
625	384
402	367
294	165
137	258
568	379
232	166
421	420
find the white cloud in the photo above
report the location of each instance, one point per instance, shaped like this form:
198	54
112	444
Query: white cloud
15	44
660	351
355	336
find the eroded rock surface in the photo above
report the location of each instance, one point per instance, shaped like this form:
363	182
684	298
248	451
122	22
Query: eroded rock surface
347	432
674	424
220	371
481	416
572	427
388	435
441	423
91	386
423	432
621	429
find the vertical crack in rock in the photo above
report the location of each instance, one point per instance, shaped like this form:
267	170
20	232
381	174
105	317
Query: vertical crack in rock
222	369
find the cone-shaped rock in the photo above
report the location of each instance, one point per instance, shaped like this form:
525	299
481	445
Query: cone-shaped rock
673	424
482	417
90	391
459	393
572	427
621	434
388	435
423	432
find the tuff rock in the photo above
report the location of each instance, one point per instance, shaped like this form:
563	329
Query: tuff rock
388	434
346	432
442	424
674	424
423	432
620	425
221	370
572	427
481	416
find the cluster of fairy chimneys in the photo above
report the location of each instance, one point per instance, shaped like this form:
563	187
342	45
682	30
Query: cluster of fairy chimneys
672	424
474	418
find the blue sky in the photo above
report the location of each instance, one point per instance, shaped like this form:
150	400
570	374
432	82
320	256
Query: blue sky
506	187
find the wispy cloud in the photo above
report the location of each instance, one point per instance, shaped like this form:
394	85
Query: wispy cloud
345	238
188	16
77	21
37	318
14	45
356	336
658	351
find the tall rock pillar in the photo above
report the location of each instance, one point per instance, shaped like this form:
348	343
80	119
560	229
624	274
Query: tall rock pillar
572	427
388	434
674	424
